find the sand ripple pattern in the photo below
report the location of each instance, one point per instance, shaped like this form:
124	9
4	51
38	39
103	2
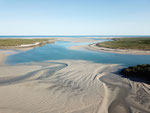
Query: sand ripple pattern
71	87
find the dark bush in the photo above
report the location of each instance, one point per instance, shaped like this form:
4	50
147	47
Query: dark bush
139	71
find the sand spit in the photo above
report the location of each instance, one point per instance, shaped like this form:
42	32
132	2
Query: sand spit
93	47
70	87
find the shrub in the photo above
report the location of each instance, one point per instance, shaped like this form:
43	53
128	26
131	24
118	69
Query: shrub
139	71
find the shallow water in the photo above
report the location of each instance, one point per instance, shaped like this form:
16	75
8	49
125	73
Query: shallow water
59	51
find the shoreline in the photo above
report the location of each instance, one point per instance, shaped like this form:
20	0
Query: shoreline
2	58
23	47
27	46
93	47
9	51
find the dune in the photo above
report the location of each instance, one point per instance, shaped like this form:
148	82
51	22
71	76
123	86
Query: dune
69	86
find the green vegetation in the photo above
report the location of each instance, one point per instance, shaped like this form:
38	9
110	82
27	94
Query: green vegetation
139	71
127	43
17	42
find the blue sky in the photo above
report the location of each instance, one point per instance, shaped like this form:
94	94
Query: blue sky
74	17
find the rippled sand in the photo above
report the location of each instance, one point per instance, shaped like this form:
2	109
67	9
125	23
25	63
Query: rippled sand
70	87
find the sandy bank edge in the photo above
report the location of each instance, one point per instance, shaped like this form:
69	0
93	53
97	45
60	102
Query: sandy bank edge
93	47
2	57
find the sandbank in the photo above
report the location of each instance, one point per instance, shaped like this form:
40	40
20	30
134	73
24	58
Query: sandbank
70	86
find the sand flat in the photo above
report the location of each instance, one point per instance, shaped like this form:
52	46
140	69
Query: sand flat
77	39
69	86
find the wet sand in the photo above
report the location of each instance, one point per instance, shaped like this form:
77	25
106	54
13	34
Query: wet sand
70	87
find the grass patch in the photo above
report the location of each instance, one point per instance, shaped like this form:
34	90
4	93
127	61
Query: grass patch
139	71
127	43
18	42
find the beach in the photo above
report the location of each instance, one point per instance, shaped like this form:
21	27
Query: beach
93	47
69	86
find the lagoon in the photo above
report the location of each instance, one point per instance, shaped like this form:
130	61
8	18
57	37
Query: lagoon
60	51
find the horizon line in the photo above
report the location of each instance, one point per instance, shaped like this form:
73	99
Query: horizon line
69	35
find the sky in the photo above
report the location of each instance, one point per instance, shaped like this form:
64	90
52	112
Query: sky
74	17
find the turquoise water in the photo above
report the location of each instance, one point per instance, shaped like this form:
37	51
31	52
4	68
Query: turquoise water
59	51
